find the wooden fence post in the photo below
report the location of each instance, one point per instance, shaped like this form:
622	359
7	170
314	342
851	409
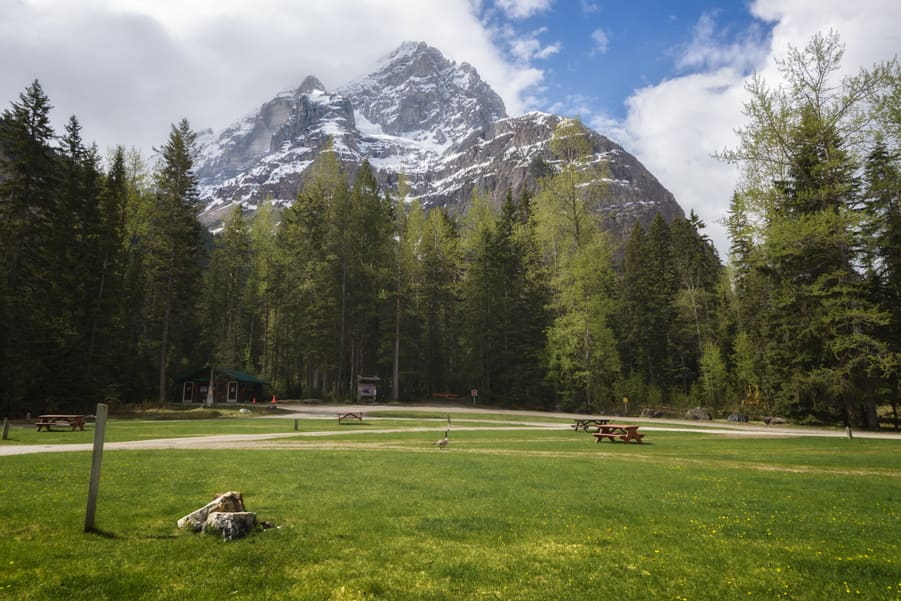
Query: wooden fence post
5	429
99	433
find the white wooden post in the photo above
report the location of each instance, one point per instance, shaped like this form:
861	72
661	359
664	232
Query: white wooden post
99	433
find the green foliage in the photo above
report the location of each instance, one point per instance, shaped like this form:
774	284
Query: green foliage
581	351
227	302
173	258
503	300
801	239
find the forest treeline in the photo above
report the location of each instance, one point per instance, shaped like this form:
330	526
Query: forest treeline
110	288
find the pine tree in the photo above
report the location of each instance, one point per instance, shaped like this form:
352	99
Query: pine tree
226	311
439	279
480	291
174	255
408	363
882	231
308	340
370	226
263	297
108	302
697	271
800	153
75	244
28	208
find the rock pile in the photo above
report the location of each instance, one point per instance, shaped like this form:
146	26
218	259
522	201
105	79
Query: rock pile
223	515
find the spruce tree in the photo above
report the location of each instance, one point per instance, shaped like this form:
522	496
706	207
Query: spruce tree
225	309
174	256
28	210
809	310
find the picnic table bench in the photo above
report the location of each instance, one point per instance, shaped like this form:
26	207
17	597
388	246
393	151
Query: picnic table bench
616	432
585	423
49	420
357	415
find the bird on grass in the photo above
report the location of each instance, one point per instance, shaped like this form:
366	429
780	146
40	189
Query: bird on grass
442	442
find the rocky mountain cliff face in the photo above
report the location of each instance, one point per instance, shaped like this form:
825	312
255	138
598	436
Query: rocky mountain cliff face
423	116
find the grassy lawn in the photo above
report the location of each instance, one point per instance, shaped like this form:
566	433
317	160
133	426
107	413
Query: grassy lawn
531	514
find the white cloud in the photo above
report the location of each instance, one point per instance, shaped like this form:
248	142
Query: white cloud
710	48
549	51
673	127
601	41
590	7
129	68
522	9
528	47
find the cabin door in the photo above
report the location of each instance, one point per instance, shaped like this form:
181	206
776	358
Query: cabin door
232	392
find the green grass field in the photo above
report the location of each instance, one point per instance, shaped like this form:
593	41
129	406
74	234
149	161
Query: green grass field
526	514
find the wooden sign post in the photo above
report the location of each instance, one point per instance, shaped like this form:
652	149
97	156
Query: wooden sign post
99	433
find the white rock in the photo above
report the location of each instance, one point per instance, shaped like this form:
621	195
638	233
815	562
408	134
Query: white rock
229	502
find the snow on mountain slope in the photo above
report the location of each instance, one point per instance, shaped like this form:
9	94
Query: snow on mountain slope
420	115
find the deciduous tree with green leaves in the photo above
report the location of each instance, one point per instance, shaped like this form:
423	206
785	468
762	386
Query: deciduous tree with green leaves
801	157
581	351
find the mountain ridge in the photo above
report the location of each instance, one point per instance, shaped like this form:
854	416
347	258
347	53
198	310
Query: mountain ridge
421	115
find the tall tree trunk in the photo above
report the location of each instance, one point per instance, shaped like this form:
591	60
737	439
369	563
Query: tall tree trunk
395	373
340	374
164	343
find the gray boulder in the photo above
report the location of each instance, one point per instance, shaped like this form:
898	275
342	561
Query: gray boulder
231	525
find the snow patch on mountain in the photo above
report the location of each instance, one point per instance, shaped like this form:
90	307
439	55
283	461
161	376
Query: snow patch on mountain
419	114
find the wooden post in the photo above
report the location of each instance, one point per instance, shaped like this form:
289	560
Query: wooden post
5	429
295	425
99	433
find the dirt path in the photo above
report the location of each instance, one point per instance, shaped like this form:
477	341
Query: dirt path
518	420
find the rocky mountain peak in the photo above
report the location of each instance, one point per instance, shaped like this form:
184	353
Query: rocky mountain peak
418	114
310	84
417	89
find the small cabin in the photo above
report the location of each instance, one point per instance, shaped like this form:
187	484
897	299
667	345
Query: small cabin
229	386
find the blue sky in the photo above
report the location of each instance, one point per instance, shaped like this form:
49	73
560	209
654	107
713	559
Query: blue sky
595	54
665	79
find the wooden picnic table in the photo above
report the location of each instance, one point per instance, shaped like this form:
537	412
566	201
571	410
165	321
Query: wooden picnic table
615	432
59	419
357	415
585	423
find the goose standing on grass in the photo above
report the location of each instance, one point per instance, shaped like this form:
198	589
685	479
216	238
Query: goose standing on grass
442	442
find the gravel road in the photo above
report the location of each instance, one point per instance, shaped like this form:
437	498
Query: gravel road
518	420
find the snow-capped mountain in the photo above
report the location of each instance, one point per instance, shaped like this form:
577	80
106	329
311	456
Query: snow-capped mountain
418	114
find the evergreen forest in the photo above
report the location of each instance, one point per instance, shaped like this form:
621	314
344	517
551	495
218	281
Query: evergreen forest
111	289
